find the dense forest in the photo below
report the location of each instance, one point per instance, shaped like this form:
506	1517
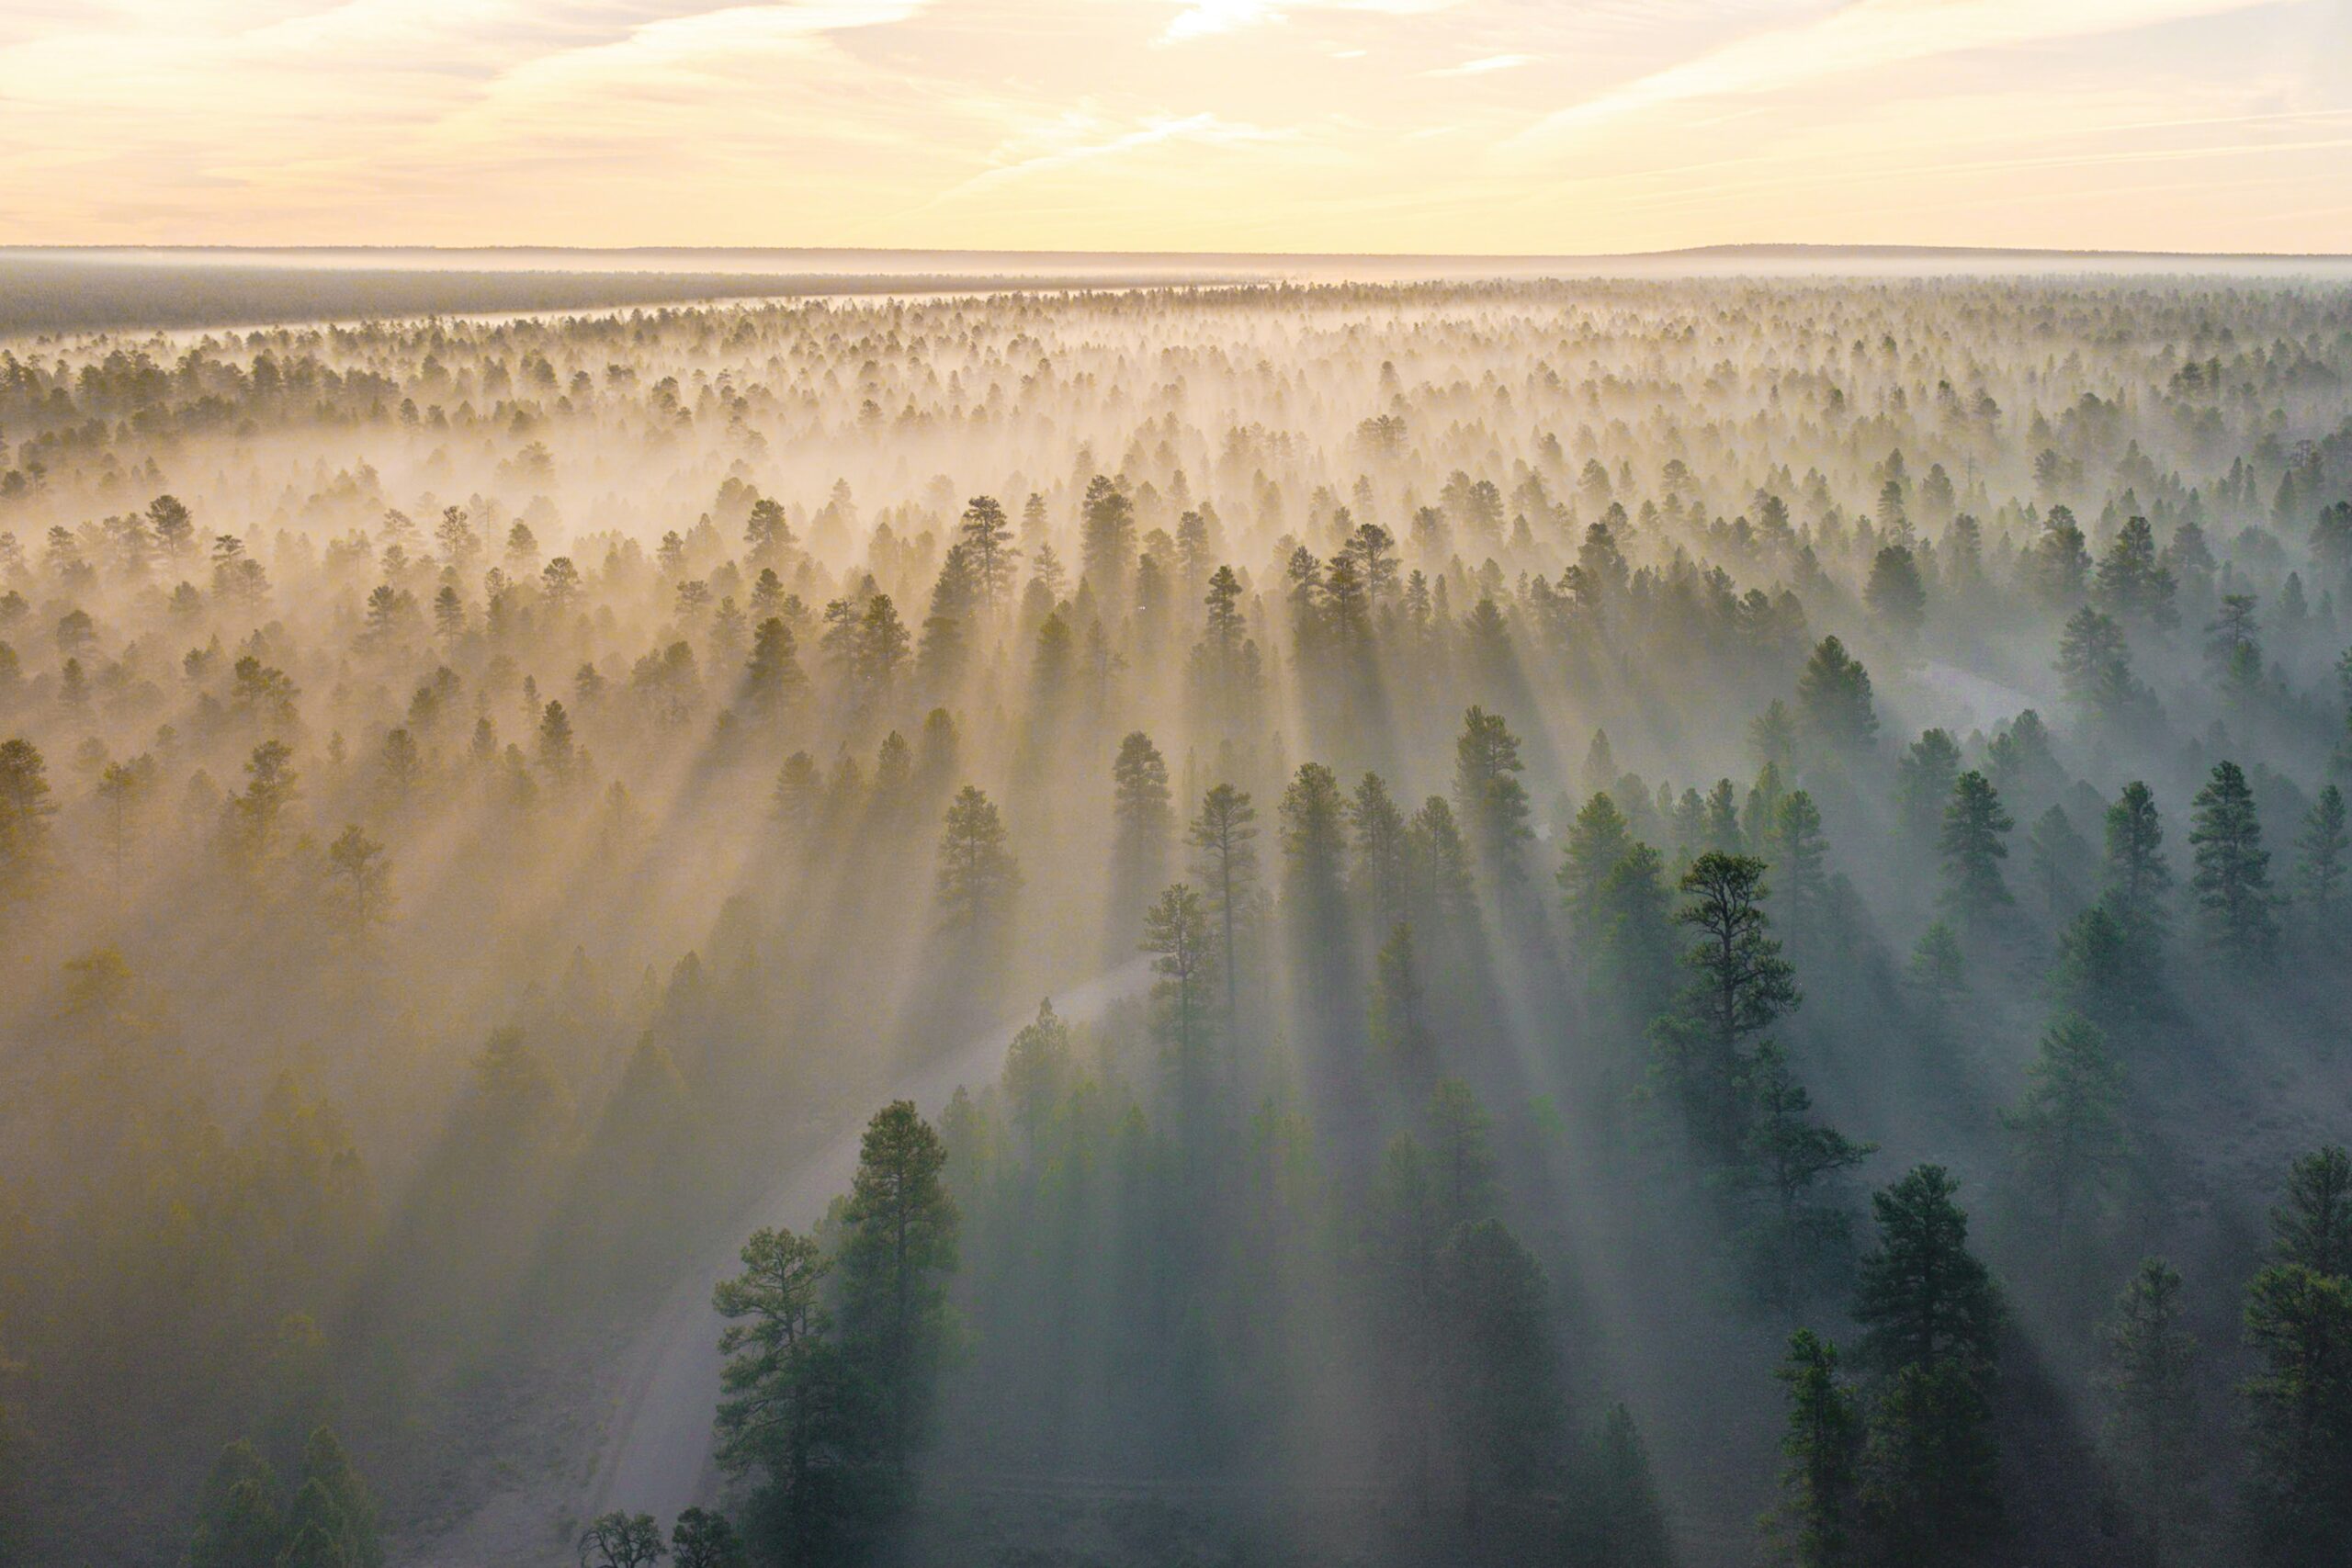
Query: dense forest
1712	919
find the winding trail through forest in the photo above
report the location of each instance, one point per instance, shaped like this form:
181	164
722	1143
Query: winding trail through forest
656	1457
655	1453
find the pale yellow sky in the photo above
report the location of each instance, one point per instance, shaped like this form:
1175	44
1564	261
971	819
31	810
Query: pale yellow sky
1477	126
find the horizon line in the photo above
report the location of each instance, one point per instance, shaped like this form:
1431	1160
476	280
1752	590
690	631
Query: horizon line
1722	248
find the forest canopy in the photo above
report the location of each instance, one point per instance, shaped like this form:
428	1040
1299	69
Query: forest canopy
1616	920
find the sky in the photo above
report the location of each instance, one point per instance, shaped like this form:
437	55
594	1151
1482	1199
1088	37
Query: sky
1463	127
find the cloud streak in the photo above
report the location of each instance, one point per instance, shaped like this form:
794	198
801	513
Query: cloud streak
1871	35
1079	144
1483	67
1207	19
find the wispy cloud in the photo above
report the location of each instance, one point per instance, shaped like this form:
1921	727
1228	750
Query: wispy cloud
1860	37
1291	124
1080	139
1203	19
1481	67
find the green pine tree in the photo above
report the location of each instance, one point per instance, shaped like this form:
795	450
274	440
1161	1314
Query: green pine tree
2298	1501
1739	985
898	1229
1930	1315
1815	1524
239	1523
2233	875
2067	1129
1971	847
2149	1439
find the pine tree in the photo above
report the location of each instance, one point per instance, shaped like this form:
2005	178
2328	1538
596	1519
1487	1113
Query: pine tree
1107	538
2313	1228
2321	873
2095	668
1739	986
1225	862
1223	661
2103	972
2233	647
1403	1235
175	529
1924	1299
1445	896
1597	840
879	649
1381	873
1758	817
1492	801
2137	874
1140	812
362	882
2298	1322
1896	594
1486	642
122	791
946	627
2067	1129
1972	847
1037	1071
1930	1314
336	1502
1723	830
2233	875
238	1521
2132	581
1834	708
766	530
986	537
1923	783
1815	1524
2058	562
898	1230
1176	934
2339	761
1939	969
2149	1437
1314	844
772	676
1461	1159
978	875
1799	853
798	798
558	756
1772	738
1626	1523
789	1408
1789	1154
1639	957
253	823
1505	1406
1397	1019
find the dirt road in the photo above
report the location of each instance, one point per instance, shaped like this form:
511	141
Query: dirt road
656	1456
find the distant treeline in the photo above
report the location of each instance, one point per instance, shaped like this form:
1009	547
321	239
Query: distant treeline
40	295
